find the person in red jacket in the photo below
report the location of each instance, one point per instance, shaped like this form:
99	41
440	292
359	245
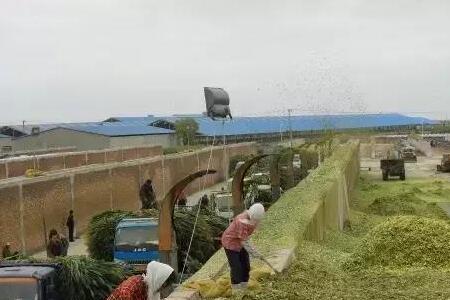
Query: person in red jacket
237	247
134	288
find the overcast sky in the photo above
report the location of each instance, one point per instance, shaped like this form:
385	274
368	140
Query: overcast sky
85	60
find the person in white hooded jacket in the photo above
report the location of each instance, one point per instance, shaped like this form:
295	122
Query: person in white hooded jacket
157	275
143	287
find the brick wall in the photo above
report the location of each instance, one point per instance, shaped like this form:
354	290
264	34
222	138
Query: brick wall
51	162
30	207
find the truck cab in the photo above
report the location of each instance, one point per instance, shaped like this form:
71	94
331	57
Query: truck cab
136	242
28	281
223	205
297	162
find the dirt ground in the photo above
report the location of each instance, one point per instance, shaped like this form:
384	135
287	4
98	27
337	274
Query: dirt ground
424	168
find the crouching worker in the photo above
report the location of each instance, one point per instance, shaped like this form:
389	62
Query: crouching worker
144	287
237	247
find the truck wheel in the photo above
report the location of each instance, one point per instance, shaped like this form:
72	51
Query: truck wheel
385	175
402	176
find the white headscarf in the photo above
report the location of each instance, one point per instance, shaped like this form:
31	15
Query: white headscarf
157	274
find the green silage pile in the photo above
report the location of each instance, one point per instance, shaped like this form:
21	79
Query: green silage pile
405	241
397	246
288	218
405	203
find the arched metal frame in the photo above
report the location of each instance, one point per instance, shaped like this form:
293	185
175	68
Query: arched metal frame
290	170
275	180
168	205
238	183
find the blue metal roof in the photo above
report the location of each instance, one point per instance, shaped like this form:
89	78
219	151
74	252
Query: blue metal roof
128	126
264	125
2	136
119	128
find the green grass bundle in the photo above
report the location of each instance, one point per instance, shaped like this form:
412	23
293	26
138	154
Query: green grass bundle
406	241
83	278
101	231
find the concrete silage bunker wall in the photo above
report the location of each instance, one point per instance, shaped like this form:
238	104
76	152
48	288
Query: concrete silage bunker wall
15	167
303	212
27	205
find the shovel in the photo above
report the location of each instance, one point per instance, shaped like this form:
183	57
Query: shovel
260	257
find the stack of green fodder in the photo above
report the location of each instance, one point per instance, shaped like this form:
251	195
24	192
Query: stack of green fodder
101	231
202	247
84	278
405	241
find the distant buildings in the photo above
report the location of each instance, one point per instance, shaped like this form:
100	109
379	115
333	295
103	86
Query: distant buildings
133	131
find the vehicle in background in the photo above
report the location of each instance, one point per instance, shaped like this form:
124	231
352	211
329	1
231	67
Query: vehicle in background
223	204
393	165
445	163
34	281
136	243
297	162
408	154
260	178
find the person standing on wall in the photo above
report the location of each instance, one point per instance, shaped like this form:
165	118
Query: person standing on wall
70	225
147	195
235	241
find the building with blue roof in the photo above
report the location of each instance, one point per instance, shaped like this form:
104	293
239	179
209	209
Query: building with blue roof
241	128
133	131
95	136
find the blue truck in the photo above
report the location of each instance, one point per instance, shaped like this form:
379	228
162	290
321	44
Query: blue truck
137	243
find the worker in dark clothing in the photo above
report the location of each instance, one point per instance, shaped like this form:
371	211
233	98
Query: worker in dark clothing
64	244
70	225
54	247
147	195
204	201
8	253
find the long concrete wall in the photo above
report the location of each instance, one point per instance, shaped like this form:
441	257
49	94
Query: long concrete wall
305	212
14	167
30	207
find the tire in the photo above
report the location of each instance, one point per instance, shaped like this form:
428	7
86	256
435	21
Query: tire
402	177
385	175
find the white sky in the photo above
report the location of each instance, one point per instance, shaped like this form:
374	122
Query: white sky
85	60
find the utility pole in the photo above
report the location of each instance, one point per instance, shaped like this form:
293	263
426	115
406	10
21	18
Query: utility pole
422	128
290	127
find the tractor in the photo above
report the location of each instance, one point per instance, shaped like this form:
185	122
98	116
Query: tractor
445	163
408	154
393	165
